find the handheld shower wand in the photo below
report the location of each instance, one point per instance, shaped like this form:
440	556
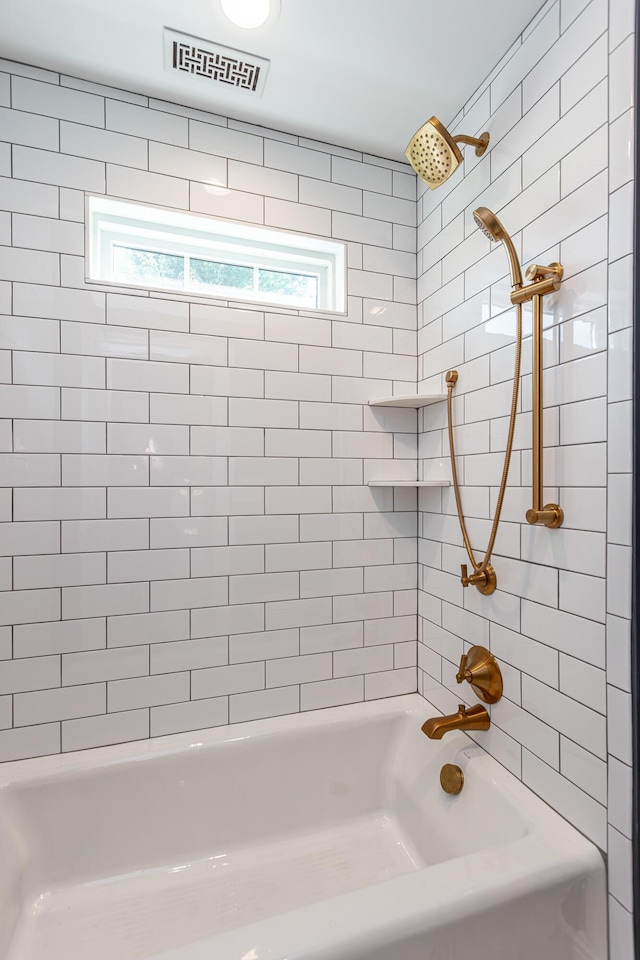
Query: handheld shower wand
493	230
484	576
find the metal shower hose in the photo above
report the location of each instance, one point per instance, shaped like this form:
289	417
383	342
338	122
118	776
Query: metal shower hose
507	456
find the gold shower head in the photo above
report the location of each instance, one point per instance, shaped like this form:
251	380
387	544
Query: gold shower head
489	224
434	154
487	221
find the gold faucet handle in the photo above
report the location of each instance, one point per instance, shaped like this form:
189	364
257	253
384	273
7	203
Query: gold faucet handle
463	674
480	668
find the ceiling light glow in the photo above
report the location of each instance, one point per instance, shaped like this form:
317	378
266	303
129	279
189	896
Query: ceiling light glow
247	13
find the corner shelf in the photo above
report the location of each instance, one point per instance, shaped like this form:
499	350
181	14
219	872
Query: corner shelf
409	483
414	400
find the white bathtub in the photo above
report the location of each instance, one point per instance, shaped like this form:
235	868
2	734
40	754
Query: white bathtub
325	835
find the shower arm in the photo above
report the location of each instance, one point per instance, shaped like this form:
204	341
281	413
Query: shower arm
480	143
544	280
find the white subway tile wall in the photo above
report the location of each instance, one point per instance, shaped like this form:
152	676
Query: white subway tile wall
188	537
559	103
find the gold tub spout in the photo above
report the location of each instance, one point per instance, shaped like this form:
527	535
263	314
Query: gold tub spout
475	718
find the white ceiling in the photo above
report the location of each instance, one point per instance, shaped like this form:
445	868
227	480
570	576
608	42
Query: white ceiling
357	73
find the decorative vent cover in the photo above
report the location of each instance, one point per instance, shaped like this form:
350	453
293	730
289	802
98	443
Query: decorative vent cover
215	63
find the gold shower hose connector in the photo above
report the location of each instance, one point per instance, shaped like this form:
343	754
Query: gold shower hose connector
484	579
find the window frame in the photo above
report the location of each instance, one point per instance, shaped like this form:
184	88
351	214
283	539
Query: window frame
112	221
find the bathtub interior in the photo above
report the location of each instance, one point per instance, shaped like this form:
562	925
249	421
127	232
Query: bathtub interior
132	857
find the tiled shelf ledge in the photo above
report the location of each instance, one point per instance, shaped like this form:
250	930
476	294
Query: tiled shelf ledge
409	483
411	400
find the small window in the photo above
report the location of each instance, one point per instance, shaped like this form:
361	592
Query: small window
136	245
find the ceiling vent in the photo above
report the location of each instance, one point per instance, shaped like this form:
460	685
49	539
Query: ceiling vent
222	66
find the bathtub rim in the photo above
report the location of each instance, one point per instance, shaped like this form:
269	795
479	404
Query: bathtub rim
14	772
